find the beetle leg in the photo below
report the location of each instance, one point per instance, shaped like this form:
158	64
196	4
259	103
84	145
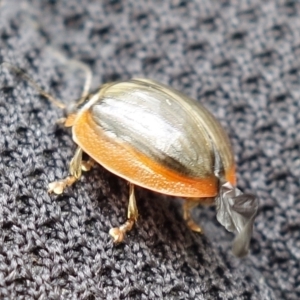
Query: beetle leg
118	233
58	187
61	121
87	165
187	209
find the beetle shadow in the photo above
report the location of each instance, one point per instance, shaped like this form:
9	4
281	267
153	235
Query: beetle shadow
160	226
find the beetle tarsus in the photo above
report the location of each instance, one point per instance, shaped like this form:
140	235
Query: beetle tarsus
194	226
57	187
187	208
76	166
118	233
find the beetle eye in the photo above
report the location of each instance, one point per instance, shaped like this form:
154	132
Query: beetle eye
236	212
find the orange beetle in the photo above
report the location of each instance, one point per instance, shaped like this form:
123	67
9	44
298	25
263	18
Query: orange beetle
155	137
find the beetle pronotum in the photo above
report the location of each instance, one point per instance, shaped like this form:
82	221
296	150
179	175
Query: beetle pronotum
155	137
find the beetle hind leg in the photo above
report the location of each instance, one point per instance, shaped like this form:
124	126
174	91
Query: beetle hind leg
77	165
188	206
118	233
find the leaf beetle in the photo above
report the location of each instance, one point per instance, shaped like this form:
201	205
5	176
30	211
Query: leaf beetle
155	137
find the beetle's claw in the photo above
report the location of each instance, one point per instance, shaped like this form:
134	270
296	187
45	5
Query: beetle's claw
193	226
56	187
117	234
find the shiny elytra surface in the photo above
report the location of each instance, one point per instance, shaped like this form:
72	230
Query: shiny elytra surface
155	137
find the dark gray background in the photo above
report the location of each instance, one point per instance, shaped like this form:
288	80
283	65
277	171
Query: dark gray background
239	58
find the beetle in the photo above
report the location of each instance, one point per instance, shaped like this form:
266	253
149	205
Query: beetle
157	138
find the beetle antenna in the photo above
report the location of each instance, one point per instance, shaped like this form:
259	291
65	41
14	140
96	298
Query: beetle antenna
25	76
77	64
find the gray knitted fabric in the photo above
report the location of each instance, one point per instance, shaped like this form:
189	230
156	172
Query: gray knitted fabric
239	58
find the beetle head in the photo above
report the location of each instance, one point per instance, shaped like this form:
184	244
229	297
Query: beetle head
236	212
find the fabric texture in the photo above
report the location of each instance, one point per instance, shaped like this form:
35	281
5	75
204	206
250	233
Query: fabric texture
238	58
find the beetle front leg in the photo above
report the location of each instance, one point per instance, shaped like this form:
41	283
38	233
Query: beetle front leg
118	233
188	206
76	165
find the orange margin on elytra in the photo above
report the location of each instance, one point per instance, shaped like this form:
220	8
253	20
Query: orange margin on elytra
124	161
230	175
